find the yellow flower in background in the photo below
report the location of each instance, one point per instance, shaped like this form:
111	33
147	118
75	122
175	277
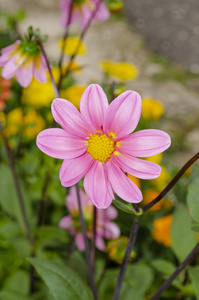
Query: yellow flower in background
73	94
116	249
30	124
162	230
152	109
33	124
2	117
134	179
161	181
156	158
71	45
41	94
150	195
122	70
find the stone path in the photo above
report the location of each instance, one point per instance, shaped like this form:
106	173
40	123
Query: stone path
115	40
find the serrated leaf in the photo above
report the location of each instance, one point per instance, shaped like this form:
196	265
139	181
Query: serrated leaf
183	238
63	283
193	199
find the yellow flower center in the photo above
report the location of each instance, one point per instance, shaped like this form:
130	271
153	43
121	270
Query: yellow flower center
100	147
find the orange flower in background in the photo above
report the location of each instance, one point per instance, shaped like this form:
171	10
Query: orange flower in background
150	195
162	230
5	93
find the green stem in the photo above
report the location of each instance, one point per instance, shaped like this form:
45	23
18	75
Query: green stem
132	239
88	257
167	283
172	182
17	185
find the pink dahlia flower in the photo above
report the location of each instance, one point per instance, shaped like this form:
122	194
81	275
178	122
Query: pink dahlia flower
97	142
104	227
83	9
23	59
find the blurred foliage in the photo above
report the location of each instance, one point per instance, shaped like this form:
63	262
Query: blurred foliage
61	271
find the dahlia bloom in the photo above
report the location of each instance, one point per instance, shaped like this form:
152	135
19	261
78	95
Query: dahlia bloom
23	59
97	142
104	227
83	9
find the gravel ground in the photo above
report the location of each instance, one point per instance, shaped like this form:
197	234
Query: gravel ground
170	28
117	41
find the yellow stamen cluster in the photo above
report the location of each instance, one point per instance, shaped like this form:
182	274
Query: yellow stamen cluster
100	147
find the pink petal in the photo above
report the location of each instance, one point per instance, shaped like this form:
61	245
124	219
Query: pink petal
102	13
79	240
85	16
93	106
111	213
40	73
99	243
123	114
24	76
57	143
72	170
66	222
71	199
10	68
5	53
122	185
137	167
145	143
109	230
105	215
67	115
65	7
97	186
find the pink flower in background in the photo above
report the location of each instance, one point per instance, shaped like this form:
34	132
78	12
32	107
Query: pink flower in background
23	59
97	142
83	9
104	227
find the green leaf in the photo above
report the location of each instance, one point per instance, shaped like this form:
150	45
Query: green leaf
8	196
63	283
126	207
193	199
183	238
13	282
194	275
139	277
166	268
12	295
77	262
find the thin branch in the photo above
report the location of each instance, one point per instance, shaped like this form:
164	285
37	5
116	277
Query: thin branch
42	202
171	183
64	45
49	68
93	248
125	261
167	283
17	185
83	227
81	39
